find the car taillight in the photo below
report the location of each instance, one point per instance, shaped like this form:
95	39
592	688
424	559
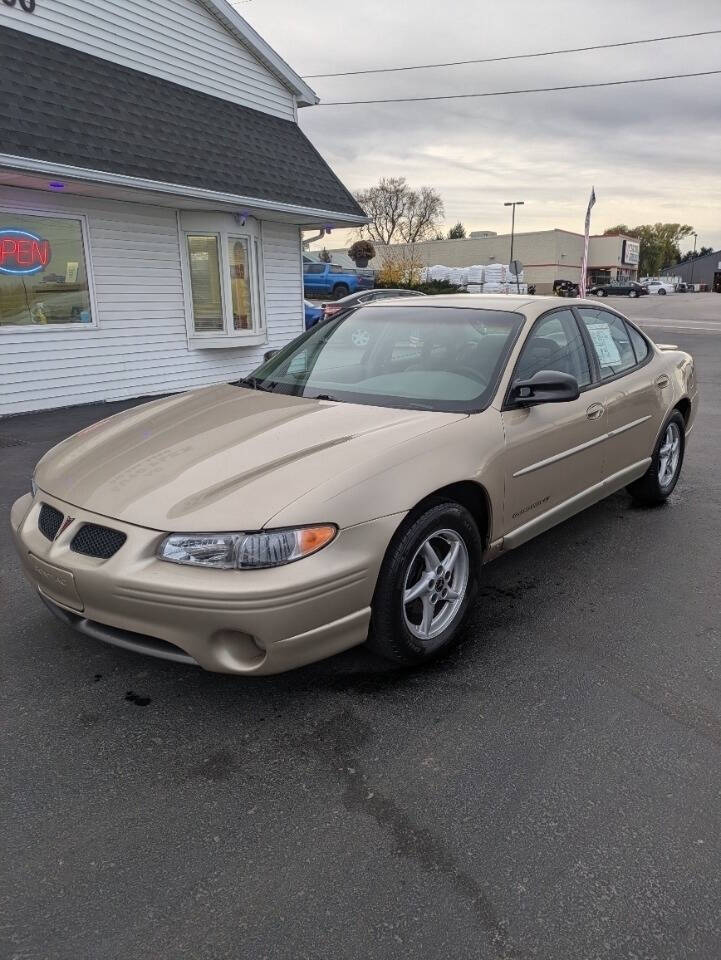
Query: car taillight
330	309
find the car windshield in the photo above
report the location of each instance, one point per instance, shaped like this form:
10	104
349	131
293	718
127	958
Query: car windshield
433	358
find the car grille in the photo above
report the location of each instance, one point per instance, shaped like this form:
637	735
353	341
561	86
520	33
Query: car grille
49	521
96	541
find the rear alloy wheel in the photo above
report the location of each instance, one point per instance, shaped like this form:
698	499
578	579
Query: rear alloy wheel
633	293
661	477
426	584
662	292
602	293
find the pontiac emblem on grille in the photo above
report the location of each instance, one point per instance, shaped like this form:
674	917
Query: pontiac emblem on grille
64	526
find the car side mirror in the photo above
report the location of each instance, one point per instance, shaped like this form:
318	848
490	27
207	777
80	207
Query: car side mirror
546	386
269	354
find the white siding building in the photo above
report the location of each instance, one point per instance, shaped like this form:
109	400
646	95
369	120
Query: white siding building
153	188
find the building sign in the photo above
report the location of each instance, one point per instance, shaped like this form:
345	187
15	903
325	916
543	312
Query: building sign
27	5
22	252
630	252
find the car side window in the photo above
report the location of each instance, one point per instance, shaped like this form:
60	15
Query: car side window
611	341
313	268
336	269
640	347
555	343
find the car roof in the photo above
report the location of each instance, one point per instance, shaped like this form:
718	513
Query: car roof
530	306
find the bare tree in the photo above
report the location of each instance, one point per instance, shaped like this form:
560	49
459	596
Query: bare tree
423	212
397	212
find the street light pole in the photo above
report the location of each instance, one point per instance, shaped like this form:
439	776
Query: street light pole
693	259
514	204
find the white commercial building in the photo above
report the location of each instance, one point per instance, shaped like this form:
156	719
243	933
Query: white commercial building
154	184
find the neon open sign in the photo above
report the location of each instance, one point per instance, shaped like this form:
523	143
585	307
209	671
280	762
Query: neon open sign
22	252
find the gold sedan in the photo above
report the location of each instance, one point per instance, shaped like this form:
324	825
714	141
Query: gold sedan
351	488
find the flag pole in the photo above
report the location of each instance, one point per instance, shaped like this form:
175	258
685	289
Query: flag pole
584	264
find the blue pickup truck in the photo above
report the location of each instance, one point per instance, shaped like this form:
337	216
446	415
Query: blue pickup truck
332	280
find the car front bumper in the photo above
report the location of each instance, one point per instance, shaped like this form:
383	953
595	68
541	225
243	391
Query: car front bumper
249	622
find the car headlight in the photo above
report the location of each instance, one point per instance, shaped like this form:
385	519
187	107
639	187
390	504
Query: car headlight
246	551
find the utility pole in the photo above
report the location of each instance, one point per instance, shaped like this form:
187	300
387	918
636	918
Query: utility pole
514	204
693	260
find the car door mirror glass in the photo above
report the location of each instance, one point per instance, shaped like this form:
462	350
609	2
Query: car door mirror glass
546	386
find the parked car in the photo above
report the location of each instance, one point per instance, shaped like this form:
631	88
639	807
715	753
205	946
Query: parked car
330	279
659	287
312	314
565	288
351	488
366	296
619	288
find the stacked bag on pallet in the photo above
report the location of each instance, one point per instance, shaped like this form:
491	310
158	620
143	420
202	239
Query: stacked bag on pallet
494	277
476	273
478	278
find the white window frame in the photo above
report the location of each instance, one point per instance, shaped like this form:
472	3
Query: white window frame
40	328
225	229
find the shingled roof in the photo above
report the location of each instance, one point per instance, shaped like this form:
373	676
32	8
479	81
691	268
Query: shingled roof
75	109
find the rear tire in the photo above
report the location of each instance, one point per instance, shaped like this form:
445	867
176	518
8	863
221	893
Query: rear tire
658	482
633	293
340	290
602	293
426	584
662	292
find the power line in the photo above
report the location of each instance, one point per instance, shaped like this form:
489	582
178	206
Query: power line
516	56
509	93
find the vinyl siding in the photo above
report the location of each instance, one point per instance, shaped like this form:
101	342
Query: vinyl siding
140	346
178	40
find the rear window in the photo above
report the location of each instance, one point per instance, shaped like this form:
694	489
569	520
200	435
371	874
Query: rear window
611	341
313	268
640	347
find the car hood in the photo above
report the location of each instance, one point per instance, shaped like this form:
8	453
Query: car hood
221	458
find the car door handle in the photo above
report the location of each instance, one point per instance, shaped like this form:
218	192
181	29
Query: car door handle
594	411
662	380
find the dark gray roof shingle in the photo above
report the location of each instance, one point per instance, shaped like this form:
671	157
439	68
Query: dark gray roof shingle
73	108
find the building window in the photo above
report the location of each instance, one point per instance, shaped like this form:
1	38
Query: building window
206	294
225	288
43	271
239	260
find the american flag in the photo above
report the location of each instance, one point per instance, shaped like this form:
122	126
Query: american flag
584	264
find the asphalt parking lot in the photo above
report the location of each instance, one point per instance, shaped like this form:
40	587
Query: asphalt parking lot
552	789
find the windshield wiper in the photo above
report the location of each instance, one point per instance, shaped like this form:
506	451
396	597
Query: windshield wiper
255	384
326	396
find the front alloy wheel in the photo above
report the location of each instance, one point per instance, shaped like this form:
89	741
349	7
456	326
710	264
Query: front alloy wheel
435	584
426	583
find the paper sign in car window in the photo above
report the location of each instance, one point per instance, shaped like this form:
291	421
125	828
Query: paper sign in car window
600	333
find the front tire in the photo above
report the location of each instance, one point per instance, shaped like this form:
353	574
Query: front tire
633	293
340	290
426	584
662	292
657	484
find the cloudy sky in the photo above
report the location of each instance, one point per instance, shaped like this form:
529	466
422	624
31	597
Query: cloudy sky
653	151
